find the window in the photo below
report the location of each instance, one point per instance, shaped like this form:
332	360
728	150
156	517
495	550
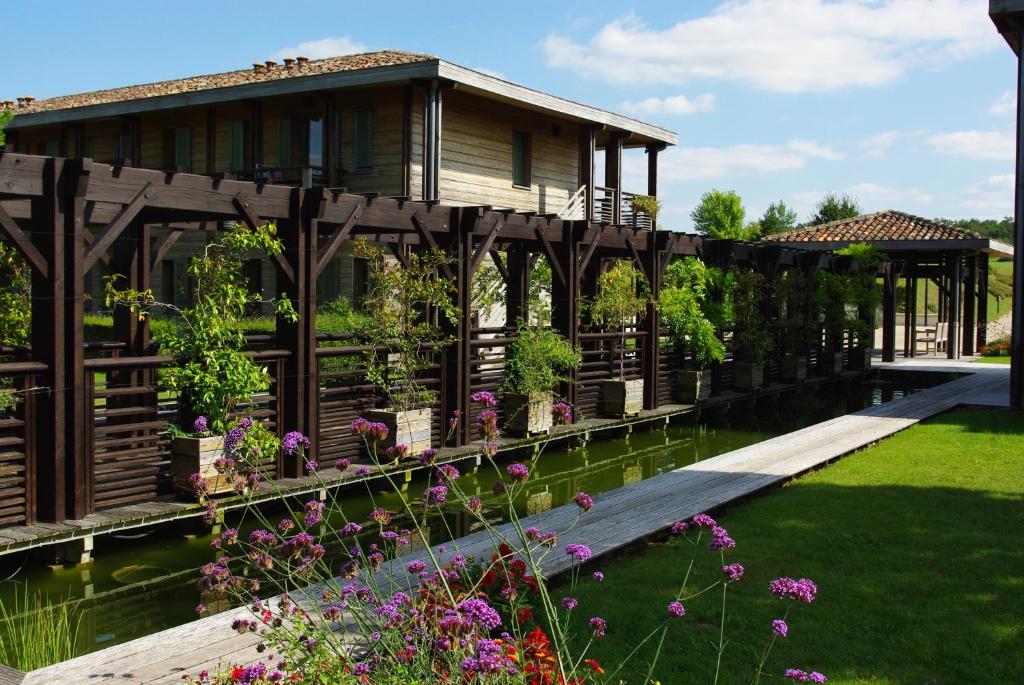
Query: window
236	146
521	154
284	141
177	149
362	140
123	148
315	142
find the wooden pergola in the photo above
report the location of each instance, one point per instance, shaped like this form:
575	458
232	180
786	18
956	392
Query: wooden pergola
916	249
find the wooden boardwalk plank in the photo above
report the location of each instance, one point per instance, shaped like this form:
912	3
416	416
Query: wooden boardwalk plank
620	517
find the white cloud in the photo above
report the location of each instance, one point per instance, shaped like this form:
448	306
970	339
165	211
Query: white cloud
675	104
699	163
974	144
783	45
992	197
1006	103
323	47
874	197
879	144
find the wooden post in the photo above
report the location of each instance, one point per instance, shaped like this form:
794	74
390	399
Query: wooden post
982	339
890	279
970	297
565	296
613	174
912	297
1017	334
953	308
586	169
79	472
656	242
329	135
517	289
908	311
299	389
457	368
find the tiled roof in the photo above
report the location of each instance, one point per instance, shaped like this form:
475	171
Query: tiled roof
192	84
880	226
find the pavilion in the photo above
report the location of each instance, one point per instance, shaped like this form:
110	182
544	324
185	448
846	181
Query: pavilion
954	259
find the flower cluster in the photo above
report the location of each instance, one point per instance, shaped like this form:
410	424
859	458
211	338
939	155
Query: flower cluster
561	413
803	590
370	430
583	501
799	676
484	398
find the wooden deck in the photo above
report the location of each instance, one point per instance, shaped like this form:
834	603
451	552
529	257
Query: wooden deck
619	518
18	538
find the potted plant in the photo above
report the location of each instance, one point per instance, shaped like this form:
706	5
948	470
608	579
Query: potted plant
212	375
863	300
680	303
535	361
402	338
751	342
622	296
791	295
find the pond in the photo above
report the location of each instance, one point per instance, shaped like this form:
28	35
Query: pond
145	581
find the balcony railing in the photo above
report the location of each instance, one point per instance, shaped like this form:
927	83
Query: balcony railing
302	176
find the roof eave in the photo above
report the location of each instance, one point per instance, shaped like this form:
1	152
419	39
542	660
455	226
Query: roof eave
992	247
1008	16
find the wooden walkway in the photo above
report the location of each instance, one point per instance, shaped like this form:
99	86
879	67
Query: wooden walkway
619	518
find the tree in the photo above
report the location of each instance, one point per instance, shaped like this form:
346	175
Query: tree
833	207
5	118
778	218
720	215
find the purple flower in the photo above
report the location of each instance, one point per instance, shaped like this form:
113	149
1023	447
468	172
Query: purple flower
427	456
704	521
363	471
599	626
485	398
474	505
436	494
804	677
803	590
200	425
234	437
479	612
598	576
314	512
780	628
351	528
294	441
342	464
380	516
733	572
397	452
676	609
583	501
378	431
447	472
569	603
680	527
579	552
562	413
360	426
720	539
415	566
518	471
312	466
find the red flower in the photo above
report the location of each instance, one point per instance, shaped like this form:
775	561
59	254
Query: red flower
594	666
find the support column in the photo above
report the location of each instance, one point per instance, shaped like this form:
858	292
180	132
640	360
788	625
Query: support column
970	297
1017	335
953	308
299	388
912	289
908	311
432	142
656	242
613	173
457	356
565	296
982	338
517	289
586	170
890	279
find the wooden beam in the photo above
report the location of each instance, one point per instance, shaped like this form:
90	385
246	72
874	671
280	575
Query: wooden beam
591	246
114	228
484	247
668	253
556	268
334	242
24	244
253	222
429	239
639	261
499	264
164	246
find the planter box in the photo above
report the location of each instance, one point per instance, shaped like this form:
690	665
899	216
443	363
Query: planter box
692	387
622	398
747	376
794	367
527	414
410	427
830	363
196	455
860	359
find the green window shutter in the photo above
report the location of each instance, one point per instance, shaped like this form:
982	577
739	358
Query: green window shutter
183	149
362	140
236	152
284	141
521	159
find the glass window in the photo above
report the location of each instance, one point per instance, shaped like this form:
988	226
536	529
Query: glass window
236	146
362	140
521	159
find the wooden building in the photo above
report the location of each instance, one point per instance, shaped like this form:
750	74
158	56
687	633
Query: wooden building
396	124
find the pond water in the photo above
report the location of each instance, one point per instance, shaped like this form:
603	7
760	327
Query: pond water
145	581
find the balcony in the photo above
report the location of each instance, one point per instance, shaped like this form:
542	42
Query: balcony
303	176
605	201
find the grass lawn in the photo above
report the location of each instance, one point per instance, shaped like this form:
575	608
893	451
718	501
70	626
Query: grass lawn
915	544
992	360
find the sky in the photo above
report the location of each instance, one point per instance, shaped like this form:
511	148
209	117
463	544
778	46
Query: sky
904	104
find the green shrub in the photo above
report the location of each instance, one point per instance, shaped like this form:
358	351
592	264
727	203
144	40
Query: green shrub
537	359
751	342
35	633
622	296
683	292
